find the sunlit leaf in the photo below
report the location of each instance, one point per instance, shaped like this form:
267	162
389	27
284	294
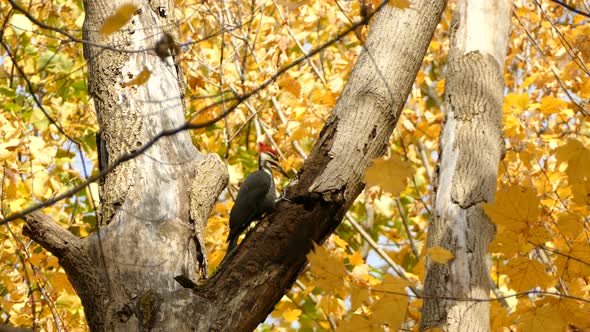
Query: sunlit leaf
390	174
439	255
117	20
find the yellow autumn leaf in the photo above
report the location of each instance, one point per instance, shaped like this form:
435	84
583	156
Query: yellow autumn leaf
391	174
585	89
8	149
530	80
510	243
322	97
581	192
570	225
575	261
41	153
400	4
526	274
116	21
391	310
140	79
577	157
236	173
516	102
552	105
290	85
292	4
356	259
359	295
498	316
328	269
40	184
332	305
440	87
439	255
360	273
573	311
392	285
542	318
515	207
20	24
291	315
93	195
358	323
338	241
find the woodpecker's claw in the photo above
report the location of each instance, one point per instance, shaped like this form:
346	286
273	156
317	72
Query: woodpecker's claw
283	198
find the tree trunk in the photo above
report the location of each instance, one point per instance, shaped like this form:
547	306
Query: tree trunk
471	148
156	205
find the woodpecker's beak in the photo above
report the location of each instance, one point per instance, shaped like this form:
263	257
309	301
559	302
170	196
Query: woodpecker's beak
275	165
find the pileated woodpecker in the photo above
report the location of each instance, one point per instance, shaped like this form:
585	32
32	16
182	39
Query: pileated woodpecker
257	195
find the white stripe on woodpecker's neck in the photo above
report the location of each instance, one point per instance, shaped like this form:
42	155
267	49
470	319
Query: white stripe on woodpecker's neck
263	161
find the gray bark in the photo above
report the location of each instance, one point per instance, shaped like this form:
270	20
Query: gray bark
155	206
471	148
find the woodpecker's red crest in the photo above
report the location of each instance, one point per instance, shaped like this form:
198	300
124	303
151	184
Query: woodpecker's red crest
265	148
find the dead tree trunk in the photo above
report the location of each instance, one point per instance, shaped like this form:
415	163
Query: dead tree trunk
471	148
155	206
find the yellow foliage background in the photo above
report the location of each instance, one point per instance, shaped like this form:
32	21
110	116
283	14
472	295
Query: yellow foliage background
541	206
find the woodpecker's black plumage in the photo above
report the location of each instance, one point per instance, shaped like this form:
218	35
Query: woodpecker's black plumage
257	196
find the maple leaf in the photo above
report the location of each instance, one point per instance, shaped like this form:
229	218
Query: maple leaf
526	274
360	273
541	319
439	255
140	79
291	315
400	4
570	225
581	193
510	243
356	259
516	102
391	174
116	21
550	105
20	24
575	262
290	85
392	285
498	316
322	97
577	158
515	207
391	310
359	295
358	323
332	306
328	269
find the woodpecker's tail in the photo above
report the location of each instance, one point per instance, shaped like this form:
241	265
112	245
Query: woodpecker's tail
232	245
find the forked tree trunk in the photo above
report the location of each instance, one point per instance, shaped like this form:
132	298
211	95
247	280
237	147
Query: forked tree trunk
471	148
155	206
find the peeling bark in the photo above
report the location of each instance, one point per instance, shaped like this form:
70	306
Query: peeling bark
471	148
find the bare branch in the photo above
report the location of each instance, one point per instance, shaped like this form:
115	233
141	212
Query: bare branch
573	9
189	124
49	234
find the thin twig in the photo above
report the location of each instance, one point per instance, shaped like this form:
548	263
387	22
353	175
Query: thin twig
316	301
402	214
379	251
187	125
573	9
